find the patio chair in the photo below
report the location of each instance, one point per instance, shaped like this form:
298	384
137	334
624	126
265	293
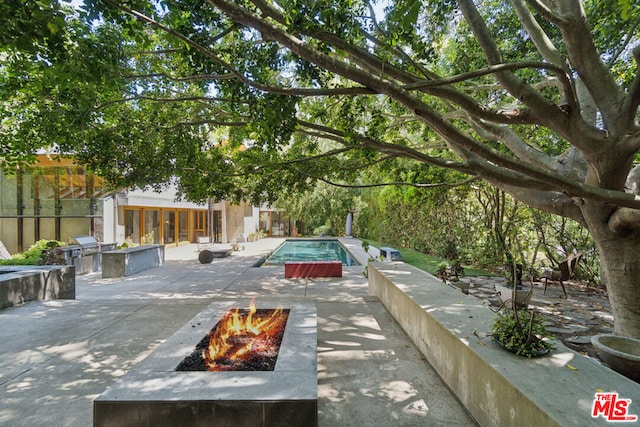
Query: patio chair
564	271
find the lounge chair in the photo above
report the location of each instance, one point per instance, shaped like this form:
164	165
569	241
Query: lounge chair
564	271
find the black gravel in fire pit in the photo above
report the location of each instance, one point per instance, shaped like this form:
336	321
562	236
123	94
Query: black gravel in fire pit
260	359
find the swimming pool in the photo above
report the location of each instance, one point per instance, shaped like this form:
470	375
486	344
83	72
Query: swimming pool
310	250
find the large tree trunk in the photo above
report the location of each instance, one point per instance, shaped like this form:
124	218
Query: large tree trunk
620	261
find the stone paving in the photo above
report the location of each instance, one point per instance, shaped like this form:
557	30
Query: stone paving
573	320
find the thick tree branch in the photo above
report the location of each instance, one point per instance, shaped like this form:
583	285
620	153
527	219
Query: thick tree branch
585	58
517	145
624	221
446	130
194	78
569	124
546	12
538	36
629	110
387	184
383	147
519	89
206	52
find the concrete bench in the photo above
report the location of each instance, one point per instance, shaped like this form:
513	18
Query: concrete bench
303	269
129	261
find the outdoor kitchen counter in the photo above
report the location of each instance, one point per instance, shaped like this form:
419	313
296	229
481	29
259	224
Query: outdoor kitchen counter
129	261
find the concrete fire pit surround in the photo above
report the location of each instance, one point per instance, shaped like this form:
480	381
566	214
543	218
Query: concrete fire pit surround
153	393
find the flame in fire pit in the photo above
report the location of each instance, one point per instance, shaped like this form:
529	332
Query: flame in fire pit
243	339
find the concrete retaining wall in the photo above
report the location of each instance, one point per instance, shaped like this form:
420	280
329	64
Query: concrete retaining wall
497	387
125	262
20	284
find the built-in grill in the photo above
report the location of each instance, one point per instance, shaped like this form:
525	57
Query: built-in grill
84	253
88	245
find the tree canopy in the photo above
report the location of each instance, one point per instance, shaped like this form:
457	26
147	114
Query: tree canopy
246	99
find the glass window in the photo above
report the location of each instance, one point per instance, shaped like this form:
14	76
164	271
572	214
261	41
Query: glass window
200	228
151	227
8	196
132	226
183	226
169	223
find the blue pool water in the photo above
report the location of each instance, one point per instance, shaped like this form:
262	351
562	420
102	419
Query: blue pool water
310	250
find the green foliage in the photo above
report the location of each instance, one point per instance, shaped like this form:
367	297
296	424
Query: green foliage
521	331
20	261
32	26
430	221
477	227
42	252
442	272
429	263
323	230
322	210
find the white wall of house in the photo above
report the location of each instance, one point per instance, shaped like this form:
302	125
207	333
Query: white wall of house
238	221
109	221
167	198
252	223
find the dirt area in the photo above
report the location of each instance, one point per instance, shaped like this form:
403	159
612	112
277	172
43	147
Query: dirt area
573	320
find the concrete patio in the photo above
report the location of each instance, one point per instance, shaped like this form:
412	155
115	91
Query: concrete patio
57	356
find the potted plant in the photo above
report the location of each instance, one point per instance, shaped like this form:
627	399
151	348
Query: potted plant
450	272
522	332
456	270
443	271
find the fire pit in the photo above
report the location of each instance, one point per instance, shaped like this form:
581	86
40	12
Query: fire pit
156	392
243	340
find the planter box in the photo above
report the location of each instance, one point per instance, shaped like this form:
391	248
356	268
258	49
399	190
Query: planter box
20	284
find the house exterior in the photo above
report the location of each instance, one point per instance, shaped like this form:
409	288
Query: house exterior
58	199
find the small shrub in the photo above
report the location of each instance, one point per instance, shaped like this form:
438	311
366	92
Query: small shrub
20	261
456	268
443	271
521	332
42	252
323	230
